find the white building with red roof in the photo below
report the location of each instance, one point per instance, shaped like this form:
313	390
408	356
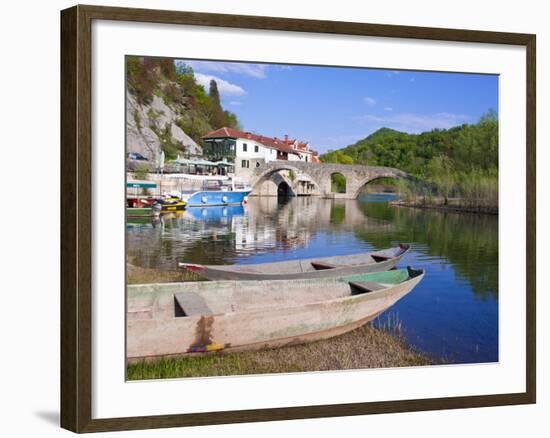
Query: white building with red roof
248	150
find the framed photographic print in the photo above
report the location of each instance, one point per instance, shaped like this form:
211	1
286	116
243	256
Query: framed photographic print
268	218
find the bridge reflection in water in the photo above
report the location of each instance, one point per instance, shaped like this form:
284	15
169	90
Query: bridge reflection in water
452	313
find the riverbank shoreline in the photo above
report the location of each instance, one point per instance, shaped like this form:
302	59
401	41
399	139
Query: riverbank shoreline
364	347
139	275
447	208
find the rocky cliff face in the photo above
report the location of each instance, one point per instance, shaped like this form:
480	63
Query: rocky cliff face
152	125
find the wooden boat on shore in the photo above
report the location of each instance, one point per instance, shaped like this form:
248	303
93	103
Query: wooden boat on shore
182	319
320	267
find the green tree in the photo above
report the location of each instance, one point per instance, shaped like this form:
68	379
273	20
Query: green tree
142	77
231	120
217	117
198	112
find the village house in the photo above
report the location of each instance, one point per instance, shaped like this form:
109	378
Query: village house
247	150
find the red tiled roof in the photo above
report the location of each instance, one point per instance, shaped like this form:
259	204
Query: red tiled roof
270	142
225	132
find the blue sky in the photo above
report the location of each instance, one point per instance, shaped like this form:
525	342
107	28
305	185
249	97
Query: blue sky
332	107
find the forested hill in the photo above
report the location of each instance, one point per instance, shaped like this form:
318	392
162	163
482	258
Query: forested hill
463	149
166	108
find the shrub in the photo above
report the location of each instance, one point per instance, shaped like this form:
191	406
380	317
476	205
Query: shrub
152	114
142	171
137	119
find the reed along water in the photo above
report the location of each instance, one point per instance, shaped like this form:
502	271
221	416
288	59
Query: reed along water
452	315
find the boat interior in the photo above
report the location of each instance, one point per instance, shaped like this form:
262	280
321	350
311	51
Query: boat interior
208	298
317	264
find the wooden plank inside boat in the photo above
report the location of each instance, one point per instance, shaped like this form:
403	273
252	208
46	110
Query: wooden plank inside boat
192	304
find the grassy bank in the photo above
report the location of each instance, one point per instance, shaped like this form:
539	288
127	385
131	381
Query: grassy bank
139	275
365	347
473	191
452	205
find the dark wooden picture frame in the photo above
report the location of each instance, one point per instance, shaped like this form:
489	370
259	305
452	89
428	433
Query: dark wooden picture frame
76	217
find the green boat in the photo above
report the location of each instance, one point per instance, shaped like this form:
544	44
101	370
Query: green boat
141	211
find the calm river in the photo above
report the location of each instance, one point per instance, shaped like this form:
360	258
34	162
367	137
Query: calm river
452	314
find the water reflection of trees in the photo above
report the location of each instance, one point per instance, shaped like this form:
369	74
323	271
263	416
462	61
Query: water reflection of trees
468	241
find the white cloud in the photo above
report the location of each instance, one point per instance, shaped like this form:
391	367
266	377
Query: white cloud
388	108
254	70
235	102
415	123
370	101
225	88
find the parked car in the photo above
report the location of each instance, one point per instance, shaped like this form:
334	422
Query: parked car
136	156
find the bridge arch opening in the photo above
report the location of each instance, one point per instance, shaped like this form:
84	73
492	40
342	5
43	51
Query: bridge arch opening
283	190
387	183
381	185
269	182
338	183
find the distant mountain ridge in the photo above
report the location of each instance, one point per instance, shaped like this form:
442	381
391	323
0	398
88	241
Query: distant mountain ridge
466	147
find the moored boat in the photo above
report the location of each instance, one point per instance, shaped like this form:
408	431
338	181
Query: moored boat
172	203
142	207
217	192
202	317
319	267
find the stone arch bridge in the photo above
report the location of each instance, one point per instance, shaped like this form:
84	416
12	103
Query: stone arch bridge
300	178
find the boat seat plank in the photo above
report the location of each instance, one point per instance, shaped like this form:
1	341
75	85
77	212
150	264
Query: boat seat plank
366	286
322	265
192	304
380	258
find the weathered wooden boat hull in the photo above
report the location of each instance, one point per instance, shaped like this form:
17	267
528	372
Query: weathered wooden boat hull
302	269
273	313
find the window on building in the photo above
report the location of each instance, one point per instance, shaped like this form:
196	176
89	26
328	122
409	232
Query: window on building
256	148
245	164
245	147
257	164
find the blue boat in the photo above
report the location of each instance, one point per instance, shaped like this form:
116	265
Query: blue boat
216	192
